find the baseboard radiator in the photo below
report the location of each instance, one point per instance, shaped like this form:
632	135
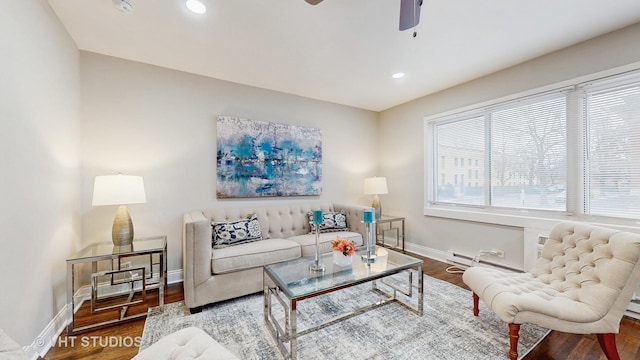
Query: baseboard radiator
464	261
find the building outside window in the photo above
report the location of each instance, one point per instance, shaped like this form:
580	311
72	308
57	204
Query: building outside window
521	150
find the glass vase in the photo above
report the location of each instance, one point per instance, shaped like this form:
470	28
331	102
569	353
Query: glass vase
341	260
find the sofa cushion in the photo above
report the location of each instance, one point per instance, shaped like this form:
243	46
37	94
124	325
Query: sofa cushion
236	232
331	222
307	242
251	255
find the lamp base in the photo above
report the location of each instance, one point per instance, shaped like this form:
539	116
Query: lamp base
122	230
377	206
122	249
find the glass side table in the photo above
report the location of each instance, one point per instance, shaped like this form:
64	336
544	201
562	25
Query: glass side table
390	224
119	273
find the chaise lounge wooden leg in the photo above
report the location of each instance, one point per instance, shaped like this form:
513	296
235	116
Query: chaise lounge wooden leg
514	330
608	345
476	311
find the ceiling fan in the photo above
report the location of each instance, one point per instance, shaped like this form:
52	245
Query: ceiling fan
409	13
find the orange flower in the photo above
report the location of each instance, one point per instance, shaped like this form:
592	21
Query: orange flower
346	247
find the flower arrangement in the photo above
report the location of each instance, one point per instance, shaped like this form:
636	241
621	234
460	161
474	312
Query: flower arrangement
346	247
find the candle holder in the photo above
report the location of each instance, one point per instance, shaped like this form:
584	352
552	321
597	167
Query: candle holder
370	256
316	267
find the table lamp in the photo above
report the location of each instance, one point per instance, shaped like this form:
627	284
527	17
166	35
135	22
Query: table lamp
376	186
119	190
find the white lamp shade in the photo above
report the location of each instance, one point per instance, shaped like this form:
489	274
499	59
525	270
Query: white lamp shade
375	186
118	190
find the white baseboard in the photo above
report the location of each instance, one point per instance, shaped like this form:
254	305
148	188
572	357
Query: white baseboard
47	338
41	344
633	310
427	252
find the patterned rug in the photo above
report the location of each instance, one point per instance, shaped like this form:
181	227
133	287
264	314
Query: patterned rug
447	330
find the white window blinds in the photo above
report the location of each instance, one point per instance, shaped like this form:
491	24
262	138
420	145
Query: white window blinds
529	153
511	155
612	180
460	152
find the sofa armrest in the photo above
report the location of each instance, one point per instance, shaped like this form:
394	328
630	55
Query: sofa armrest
355	215
196	253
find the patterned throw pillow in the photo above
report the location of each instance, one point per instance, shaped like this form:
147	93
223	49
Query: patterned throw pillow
331	221
236	232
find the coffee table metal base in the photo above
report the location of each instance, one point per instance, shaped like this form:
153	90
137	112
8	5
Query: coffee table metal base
289	334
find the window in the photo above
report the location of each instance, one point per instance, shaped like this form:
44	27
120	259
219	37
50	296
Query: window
528	152
570	151
612	112
463	137
523	143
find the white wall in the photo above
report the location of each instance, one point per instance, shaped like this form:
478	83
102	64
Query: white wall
402	139
40	181
145	120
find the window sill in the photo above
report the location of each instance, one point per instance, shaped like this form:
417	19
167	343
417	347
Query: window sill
523	218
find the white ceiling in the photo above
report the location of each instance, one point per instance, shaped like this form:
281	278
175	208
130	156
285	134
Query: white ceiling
342	51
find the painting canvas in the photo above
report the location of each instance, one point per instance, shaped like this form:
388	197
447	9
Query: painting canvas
259	159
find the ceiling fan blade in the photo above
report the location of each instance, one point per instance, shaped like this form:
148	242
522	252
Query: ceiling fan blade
409	13
313	2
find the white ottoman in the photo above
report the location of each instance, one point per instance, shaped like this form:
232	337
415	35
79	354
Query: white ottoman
188	343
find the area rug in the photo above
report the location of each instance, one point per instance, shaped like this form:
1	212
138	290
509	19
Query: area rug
447	330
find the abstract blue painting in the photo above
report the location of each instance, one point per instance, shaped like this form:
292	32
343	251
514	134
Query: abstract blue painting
260	159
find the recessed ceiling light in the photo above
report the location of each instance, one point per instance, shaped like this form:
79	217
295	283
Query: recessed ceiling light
196	6
398	75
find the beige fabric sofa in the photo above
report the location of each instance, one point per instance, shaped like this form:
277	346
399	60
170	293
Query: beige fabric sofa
212	275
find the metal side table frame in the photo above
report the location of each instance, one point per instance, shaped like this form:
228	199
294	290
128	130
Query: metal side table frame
106	252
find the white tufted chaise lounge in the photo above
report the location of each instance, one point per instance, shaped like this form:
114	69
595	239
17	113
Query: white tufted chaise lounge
582	283
188	343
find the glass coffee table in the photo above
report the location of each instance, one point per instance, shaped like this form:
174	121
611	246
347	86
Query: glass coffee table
291	281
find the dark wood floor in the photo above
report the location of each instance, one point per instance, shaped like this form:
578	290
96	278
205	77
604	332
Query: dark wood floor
104	343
